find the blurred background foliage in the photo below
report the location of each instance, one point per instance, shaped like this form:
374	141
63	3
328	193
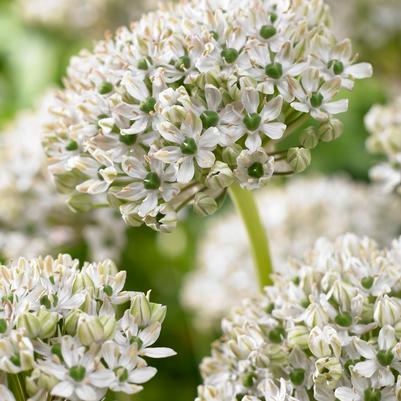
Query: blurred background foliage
34	57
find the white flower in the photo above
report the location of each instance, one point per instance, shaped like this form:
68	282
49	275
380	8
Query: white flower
5	394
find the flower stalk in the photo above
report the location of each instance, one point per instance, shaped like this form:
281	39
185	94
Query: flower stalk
247	208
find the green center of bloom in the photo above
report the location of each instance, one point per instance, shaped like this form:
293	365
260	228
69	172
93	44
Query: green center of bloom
252	121
108	290
77	373
297	376
15	359
121	373
385	357
105	88
183	63
273	17
209	119
372	394
3	326
148	105
45	301
316	99
215	35
276	335
267	31
337	66
71	146
151	181
230	55
274	70
344	319
127	139
367	282
247	379
56	350
143	64
188	147
256	170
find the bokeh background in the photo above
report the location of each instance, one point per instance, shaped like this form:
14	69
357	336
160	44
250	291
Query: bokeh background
34	52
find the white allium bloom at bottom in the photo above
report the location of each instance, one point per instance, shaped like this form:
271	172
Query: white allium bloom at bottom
294	216
331	332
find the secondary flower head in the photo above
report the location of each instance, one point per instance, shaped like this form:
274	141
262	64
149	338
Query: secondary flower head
384	125
195	97
329	332
63	332
34	218
294	216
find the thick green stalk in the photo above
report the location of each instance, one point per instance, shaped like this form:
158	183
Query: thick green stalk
14	385
247	208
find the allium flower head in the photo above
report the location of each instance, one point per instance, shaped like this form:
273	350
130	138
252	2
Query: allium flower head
329	332
294	216
195	97
384	124
62	337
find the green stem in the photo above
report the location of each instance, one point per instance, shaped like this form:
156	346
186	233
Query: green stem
247	208
15	387
295	124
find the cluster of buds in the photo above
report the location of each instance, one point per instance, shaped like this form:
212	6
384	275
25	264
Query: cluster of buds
34	218
293	215
332	331
195	98
384	126
62	338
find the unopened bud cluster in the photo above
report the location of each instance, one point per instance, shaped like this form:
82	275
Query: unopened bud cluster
195	98
332	331
73	333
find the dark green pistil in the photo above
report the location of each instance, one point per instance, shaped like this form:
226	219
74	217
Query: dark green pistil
143	64
127	139
15	359
267	31
274	70
385	357
338	66
344	319
151	181
256	170
273	17
367	282
56	350
297	376
77	373
270	308
183	63
372	395
188	147
105	88
230	55
248	378
71	146
276	335
148	105
209	119
252	121
215	35
108	290
45	301
121	373
316	99
3	326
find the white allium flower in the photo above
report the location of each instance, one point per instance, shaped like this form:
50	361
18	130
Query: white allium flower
384	125
200	87
60	334
34	218
294	216
270	350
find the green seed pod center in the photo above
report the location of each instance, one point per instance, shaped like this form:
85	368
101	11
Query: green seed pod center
274	70
256	170
143	64
372	395
3	326
252	121
71	146
316	99
267	31
297	376
183	63
230	55
209	119
105	88
247	380
15	359
338	66
276	335
385	357
56	350
77	373
127	139
45	301
151	181
189	147
215	35
367	282
121	373
344	319
108	290
148	105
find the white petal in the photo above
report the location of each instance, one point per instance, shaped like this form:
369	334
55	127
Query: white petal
345	394
63	389
253	141
159	352
340	106
142	375
366	368
364	348
205	159
386	338
186	171
250	100
360	70
150	334
213	97
274	130
272	109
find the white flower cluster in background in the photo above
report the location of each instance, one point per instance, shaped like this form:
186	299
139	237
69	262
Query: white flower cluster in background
194	98
331	332
384	125
294	215
61	338
34	218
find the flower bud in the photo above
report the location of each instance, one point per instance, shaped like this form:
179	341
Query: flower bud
82	282
318	343
141	310
387	311
328	372
71	322
129	215
330	130
109	326
298	336
38	380
230	154
299	159
80	203
158	312
309	138
90	330
165	221
204	205
48	323
220	176
66	182
112	198
29	323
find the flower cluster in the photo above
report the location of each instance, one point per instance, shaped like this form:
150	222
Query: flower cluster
330	332
294	216
384	125
195	97
34	218
61	337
